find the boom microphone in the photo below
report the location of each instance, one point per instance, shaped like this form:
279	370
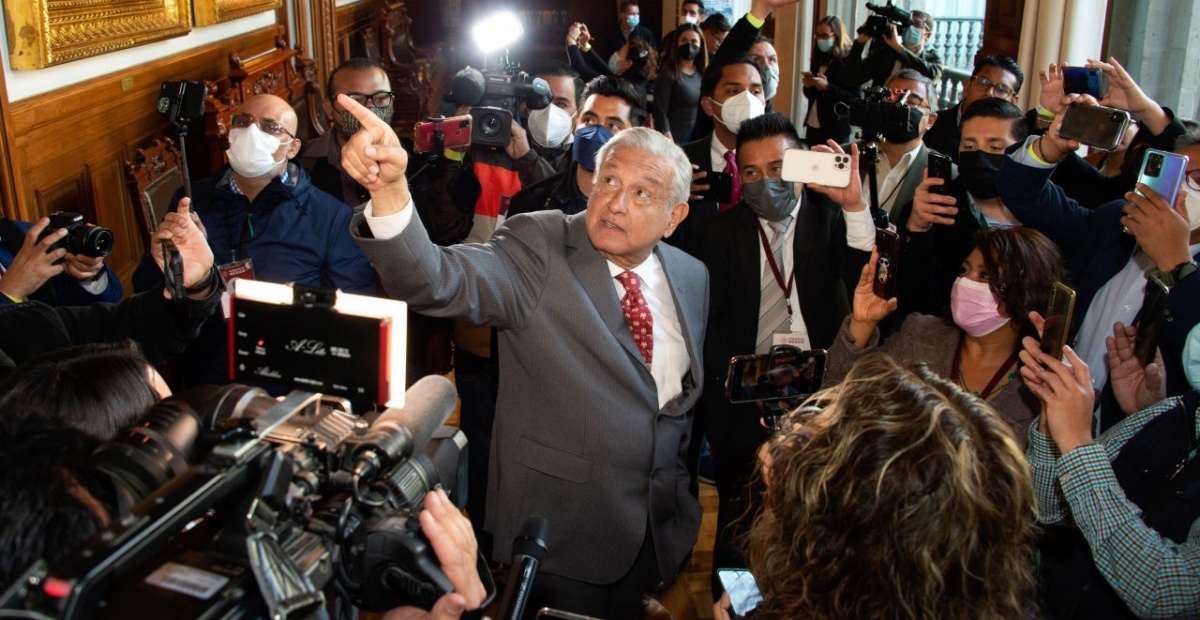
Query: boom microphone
397	433
468	87
529	549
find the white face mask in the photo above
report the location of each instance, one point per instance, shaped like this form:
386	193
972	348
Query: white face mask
549	126
1192	202
252	152
739	109
771	84
689	19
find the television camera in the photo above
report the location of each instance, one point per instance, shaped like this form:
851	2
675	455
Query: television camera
228	503
495	98
879	25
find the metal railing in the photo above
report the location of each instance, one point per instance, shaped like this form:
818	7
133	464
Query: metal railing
956	39
950	87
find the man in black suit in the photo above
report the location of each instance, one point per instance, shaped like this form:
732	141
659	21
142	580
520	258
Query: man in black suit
895	52
993	76
823	237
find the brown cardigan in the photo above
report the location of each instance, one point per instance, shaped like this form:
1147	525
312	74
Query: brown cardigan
931	339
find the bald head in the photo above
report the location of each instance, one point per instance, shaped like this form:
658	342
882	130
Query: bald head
272	108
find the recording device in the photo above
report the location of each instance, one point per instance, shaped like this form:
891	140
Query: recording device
82	238
887	267
495	98
1163	172
720	186
529	549
784	373
828	169
743	590
940	167
228	503
435	134
1150	320
1094	125
1082	81
881	111
880	24
182	101
1058	320
173	270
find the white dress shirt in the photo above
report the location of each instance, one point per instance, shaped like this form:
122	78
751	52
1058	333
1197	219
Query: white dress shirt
716	151
891	177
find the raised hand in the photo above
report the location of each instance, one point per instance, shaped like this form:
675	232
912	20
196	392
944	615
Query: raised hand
1135	386
869	309
1065	391
585	37
180	227
1051	146
1124	93
1052	89
1162	230
930	208
375	159
34	265
698	188
762	8
851	196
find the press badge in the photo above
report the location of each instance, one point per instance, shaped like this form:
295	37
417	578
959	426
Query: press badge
794	339
229	271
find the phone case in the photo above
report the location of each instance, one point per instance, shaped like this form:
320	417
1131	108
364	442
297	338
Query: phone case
1150	319
456	132
1082	81
1163	172
1096	126
887	267
1058	320
941	167
828	169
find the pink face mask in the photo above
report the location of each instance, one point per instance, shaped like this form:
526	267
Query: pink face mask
974	307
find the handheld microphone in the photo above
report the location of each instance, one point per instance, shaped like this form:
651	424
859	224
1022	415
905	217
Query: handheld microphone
529	549
397	433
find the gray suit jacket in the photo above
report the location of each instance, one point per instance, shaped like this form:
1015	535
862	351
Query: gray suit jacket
579	437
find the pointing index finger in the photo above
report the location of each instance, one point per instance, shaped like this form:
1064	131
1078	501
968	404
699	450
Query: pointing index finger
364	116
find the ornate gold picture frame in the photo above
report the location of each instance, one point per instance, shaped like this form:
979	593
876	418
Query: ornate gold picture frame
50	32
209	12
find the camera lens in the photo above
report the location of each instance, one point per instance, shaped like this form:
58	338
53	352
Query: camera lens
1116	116
92	240
490	125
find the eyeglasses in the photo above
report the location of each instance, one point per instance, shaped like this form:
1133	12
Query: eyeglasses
1193	179
381	99
268	126
990	86
907	97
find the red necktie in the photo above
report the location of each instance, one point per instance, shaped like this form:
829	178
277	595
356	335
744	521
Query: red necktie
731	168
637	314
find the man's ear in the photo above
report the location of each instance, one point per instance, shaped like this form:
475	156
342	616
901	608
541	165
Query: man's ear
294	148
706	105
327	106
678	214
930	119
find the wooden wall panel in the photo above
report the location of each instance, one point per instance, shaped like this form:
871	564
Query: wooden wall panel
1002	28
69	145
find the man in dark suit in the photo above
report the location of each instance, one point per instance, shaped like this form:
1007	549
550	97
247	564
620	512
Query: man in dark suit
895	52
629	27
823	251
993	76
600	329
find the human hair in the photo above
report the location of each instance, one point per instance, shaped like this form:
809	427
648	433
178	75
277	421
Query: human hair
611	86
670	56
698	3
95	388
841	40
40	515
717	22
644	59
1022	266
716	72
916	76
905	498
1002	62
766	126
558	69
659	148
625	4
928	23
992	107
1190	138
357	63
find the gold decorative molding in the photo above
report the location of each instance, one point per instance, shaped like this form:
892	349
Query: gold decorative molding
50	32
209	12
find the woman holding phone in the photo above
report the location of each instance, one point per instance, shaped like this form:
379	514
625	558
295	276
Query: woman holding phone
1009	274
826	83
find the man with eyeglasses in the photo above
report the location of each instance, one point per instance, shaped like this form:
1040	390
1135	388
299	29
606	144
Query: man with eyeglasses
993	76
265	220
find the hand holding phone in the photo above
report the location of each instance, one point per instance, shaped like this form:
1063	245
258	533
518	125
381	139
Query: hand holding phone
720	186
887	267
828	169
1058	320
1083	81
940	167
1150	319
1094	125
742	589
1163	172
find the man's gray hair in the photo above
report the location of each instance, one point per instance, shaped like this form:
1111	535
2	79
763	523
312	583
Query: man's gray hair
659	148
1191	138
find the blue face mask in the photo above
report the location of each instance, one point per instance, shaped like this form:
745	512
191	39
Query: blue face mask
824	45
588	141
912	36
633	20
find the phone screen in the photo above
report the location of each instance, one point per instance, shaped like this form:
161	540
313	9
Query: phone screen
742	589
786	372
1082	81
1058	320
1154	309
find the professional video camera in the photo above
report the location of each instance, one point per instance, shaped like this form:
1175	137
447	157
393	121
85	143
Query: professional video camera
880	24
881	112
228	503
495	98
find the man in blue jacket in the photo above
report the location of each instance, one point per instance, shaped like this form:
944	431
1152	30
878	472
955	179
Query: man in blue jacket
266	221
29	270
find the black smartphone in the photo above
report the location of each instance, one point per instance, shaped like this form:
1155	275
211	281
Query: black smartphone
940	167
888	264
1058	320
786	372
1094	125
1083	81
720	186
1150	320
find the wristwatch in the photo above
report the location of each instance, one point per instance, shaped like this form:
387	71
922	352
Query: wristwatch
1176	275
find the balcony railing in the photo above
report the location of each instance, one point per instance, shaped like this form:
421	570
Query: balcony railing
956	39
950	87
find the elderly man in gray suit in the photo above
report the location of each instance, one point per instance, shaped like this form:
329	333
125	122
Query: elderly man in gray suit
601	329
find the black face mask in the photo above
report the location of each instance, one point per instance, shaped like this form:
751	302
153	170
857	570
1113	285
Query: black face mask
688	52
977	171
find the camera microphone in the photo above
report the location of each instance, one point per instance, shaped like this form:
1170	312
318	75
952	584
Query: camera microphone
397	433
529	549
468	87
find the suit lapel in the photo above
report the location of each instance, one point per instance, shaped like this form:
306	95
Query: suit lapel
591	270
908	187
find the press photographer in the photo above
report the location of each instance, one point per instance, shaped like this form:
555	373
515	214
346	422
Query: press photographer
898	40
57	260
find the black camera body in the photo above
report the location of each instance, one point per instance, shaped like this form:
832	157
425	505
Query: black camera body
491	127
228	503
495	98
878	116
182	101
880	24
82	238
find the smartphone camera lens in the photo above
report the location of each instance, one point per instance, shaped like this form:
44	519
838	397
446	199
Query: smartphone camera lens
1116	117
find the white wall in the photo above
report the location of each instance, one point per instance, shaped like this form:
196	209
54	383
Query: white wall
28	83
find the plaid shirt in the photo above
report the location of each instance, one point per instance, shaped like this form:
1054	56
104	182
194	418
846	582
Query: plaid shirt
1156	577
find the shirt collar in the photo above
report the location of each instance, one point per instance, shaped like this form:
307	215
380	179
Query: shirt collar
648	271
716	149
229	180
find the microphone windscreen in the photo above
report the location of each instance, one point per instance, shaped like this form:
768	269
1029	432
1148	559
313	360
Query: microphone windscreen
539	95
427	405
531	540
468	86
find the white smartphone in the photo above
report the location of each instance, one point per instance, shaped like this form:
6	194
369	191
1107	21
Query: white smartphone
829	169
742	589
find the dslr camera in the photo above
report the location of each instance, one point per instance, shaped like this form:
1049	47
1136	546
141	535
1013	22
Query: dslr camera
879	25
228	503
495	98
82	238
881	112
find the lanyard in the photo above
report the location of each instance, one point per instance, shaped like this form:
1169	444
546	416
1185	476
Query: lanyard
791	279
956	371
